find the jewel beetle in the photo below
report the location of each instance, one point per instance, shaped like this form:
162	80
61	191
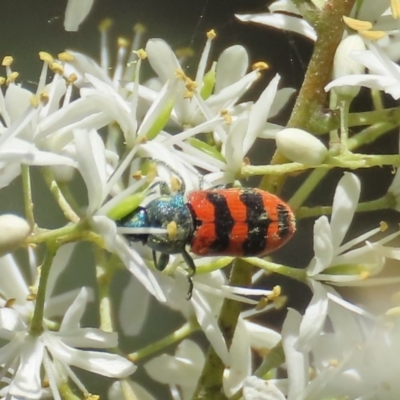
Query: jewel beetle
222	221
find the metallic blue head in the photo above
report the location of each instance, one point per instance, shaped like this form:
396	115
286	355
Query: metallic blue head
168	212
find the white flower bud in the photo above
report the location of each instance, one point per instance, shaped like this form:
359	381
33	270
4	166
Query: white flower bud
344	65
13	231
300	146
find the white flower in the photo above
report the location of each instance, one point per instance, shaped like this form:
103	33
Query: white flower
335	263
181	370
278	19
75	13
25	355
384	73
100	182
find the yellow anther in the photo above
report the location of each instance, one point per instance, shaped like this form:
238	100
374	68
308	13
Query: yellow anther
2	80
45	383
188	95
31	297
226	116
190	85
383	226
65	56
280	302
260	66
13	76
57	68
175	183
7	61
372	35
172	230
357	24
89	396
334	362
72	79
44	97
180	75
105	25
276	292
393	312
139	28
122	42
46	57
34	101
211	34
10	303
364	275
262	303
395	6
151	173
141	53
137	175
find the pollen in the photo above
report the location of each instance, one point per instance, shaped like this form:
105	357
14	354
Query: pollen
172	230
139	28
260	66
44	97
13	76
137	175
262	303
57	68
383	226
372	35
141	53
395	6
10	303
7	61
105	25
364	275
276	292
334	362
211	34
65	56
226	116
2	80
72	79
122	42
31	297
175	183
357	24
46	57
393	312
34	101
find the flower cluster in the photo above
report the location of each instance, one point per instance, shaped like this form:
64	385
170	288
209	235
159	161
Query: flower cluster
131	142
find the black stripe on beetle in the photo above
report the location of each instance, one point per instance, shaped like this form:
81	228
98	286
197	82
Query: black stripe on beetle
257	221
224	221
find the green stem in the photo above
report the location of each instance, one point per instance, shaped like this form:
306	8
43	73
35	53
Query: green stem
307	109
308	112
36	327
68	212
180	334
344	105
306	188
104	276
383	203
274	359
210	383
293	273
27	189
391	115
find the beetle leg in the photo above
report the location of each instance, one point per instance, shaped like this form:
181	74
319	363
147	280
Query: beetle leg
192	271
162	260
